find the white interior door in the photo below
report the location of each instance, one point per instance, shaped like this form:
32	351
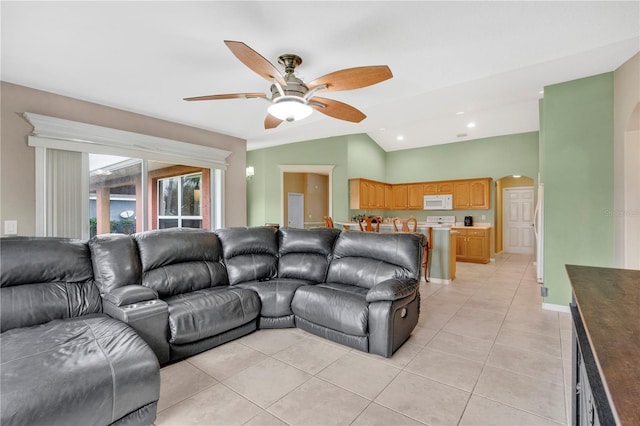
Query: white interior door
518	220
295	207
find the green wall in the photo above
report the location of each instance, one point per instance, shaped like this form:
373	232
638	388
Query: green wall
358	156
263	190
366	158
577	173
494	157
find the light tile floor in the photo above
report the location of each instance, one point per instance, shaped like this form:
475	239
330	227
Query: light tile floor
484	353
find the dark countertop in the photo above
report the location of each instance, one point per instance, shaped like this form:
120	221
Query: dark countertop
609	304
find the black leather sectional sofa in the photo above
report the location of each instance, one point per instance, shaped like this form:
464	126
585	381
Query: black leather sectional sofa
85	325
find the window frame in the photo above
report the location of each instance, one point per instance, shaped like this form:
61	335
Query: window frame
60	134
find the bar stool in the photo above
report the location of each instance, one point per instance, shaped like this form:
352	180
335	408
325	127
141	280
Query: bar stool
367	224
405	225
411	225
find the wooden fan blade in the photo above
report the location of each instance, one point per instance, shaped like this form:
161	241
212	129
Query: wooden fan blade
271	122
352	78
256	62
337	109
228	96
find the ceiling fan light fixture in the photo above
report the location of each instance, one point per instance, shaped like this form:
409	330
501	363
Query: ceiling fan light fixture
290	108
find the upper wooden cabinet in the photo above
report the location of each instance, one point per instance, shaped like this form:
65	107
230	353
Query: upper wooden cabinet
435	188
366	194
407	196
415	197
400	197
469	194
473	194
388	197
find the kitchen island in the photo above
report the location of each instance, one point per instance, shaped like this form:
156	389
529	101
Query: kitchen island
441	268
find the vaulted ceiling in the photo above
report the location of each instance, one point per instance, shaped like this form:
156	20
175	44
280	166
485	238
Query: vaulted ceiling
454	63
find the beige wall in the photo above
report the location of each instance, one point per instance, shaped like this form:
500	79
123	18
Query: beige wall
17	159
315	188
626	118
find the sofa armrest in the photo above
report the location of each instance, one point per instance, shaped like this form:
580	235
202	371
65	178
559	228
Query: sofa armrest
129	294
392	290
149	318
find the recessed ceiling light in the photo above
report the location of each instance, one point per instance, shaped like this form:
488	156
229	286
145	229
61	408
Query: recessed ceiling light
400	138
472	124
459	112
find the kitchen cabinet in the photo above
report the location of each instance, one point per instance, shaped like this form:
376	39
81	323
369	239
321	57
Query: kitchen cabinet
388	197
468	194
436	188
366	194
400	197
472	244
407	196
415	196
472	194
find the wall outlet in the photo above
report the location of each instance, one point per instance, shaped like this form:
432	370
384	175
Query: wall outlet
544	292
484	217
10	227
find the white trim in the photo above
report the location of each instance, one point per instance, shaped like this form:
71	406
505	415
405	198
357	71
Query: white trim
556	308
217	193
41	192
84	196
50	132
302	168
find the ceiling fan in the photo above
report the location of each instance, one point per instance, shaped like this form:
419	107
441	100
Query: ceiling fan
291	98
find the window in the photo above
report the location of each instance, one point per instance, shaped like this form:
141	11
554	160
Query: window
123	189
114	187
179	202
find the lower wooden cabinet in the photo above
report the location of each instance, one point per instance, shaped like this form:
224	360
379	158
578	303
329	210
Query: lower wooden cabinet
472	244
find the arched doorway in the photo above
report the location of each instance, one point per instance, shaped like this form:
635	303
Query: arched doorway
521	192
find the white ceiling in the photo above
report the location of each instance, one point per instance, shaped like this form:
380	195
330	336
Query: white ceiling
488	59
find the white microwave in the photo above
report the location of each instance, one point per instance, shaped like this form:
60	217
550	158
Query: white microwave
438	202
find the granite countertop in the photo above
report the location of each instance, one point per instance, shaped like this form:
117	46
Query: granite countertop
608	301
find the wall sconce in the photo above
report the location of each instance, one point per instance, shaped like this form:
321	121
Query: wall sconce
250	172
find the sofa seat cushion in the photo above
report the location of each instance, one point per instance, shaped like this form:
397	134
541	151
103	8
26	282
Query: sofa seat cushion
336	306
276	295
205	313
81	371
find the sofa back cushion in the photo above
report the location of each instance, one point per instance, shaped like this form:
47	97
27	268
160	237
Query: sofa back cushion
43	279
115	261
180	260
250	254
364	259
305	253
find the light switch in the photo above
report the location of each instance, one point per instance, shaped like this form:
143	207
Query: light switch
10	227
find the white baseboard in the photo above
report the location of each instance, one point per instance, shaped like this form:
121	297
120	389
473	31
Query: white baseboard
557	308
439	281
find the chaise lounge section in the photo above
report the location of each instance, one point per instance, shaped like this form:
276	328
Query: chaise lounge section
63	361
